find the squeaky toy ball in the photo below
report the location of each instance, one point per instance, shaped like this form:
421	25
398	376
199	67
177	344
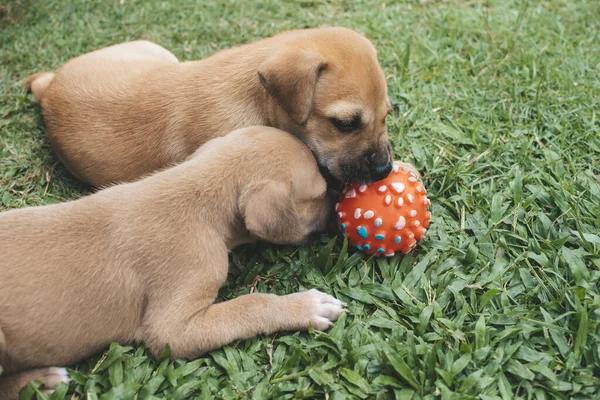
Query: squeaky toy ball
387	216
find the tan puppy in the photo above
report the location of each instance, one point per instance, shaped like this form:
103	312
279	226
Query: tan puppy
124	111
144	261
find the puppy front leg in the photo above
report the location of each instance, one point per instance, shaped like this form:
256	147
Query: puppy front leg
248	316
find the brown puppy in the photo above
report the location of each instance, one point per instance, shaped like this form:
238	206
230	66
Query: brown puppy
124	111
144	261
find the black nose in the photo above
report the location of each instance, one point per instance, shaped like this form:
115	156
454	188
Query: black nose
380	171
380	165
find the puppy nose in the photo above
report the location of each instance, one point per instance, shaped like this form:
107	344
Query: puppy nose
380	171
380	165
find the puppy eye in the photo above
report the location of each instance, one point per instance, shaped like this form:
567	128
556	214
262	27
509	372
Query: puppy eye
347	125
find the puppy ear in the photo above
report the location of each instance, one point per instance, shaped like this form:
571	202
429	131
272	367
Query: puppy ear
269	212
290	77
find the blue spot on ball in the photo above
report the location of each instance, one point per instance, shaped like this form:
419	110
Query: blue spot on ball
397	240
362	232
359	247
343	226
379	236
367	247
381	250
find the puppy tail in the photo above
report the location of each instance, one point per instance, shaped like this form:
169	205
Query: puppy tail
38	83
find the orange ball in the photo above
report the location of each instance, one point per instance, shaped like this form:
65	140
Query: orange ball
387	216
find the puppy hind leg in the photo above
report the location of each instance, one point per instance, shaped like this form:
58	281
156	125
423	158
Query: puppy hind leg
158	52
51	377
248	316
139	49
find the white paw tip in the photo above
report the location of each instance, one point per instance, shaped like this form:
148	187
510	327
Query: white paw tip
326	309
52	377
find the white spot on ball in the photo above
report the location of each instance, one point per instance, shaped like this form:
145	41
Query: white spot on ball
395	168
337	205
357	213
412	235
388	199
400	224
340	215
417	224
400	201
382	188
369	214
412	179
419	189
410	198
351	193
362	188
378	222
413	213
398	187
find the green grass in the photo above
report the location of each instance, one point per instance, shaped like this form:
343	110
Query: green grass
496	103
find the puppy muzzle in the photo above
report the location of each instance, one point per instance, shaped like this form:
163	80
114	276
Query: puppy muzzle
371	167
380	162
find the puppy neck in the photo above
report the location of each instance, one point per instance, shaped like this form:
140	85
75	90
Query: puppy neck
233	93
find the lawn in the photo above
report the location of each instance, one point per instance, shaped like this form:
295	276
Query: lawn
495	102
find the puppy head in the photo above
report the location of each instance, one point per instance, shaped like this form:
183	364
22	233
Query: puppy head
287	211
328	89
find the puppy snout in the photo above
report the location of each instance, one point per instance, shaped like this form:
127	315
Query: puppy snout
380	164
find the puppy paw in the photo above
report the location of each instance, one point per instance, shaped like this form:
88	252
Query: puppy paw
323	309
51	377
